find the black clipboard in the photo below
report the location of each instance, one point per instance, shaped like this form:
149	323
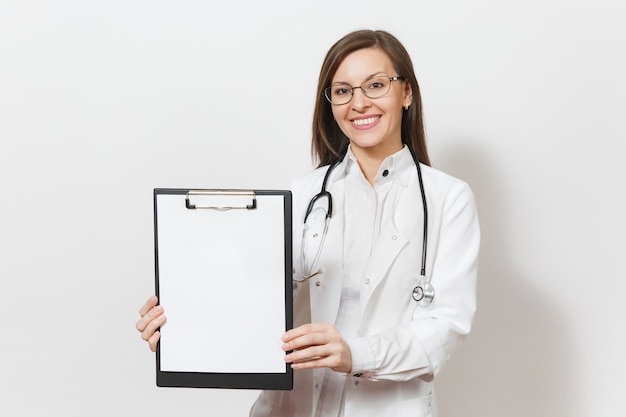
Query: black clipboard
223	267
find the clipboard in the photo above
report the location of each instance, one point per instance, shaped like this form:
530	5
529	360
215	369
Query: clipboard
223	268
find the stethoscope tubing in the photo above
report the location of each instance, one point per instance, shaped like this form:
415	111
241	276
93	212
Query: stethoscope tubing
423	293
425	210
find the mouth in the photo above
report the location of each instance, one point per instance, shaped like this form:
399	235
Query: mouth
365	121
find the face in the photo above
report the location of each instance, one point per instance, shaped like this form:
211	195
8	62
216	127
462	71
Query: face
372	125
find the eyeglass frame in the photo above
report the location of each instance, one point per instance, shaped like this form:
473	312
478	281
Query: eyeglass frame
328	90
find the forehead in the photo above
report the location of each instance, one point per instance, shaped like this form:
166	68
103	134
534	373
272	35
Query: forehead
362	64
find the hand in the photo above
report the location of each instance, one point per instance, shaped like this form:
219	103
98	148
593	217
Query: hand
317	345
152	318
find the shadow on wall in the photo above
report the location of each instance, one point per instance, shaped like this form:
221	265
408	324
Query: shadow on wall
519	360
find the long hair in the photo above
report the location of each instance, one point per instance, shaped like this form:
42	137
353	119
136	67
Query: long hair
328	141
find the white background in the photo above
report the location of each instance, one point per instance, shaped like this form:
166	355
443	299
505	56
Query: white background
102	101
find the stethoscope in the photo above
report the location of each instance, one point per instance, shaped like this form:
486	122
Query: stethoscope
423	293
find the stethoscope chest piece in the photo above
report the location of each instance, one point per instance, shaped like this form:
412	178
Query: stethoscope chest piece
424	294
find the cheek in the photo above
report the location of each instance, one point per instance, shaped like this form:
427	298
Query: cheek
340	119
336	114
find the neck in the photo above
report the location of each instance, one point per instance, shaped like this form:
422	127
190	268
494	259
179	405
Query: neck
370	160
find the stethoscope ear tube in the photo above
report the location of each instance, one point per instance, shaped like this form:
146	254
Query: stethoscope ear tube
323	193
317	196
310	271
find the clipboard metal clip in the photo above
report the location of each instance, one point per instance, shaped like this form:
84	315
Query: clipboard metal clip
220	193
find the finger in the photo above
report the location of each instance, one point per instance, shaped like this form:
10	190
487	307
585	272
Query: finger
317	362
306	329
150	303
332	361
296	332
310	364
326	362
152	342
152	327
152	314
308	354
305	341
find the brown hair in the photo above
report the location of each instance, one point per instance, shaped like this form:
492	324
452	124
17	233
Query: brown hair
329	142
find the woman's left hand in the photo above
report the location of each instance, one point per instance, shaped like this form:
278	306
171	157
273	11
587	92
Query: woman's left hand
317	345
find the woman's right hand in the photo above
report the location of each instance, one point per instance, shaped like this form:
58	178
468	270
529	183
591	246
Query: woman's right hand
152	318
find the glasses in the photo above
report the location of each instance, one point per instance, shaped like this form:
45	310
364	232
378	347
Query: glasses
342	93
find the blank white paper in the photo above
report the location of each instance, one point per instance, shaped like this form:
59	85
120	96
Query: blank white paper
222	286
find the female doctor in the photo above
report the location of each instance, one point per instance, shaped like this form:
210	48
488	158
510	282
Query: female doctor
385	248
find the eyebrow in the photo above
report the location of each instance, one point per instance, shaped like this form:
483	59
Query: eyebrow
369	77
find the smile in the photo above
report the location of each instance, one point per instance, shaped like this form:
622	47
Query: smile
366	121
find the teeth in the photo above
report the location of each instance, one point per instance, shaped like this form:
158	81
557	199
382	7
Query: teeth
363	122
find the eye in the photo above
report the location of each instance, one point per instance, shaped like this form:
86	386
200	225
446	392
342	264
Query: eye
342	90
376	85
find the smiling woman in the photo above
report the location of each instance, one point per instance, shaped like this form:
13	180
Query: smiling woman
388	58
363	336
371	122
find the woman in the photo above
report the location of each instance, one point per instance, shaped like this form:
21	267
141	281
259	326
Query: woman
366	340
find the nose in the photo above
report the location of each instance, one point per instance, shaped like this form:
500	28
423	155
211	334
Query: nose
359	100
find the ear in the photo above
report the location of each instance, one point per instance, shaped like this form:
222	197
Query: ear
408	94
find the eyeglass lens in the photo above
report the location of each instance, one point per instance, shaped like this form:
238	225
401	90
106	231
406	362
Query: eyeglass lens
342	93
